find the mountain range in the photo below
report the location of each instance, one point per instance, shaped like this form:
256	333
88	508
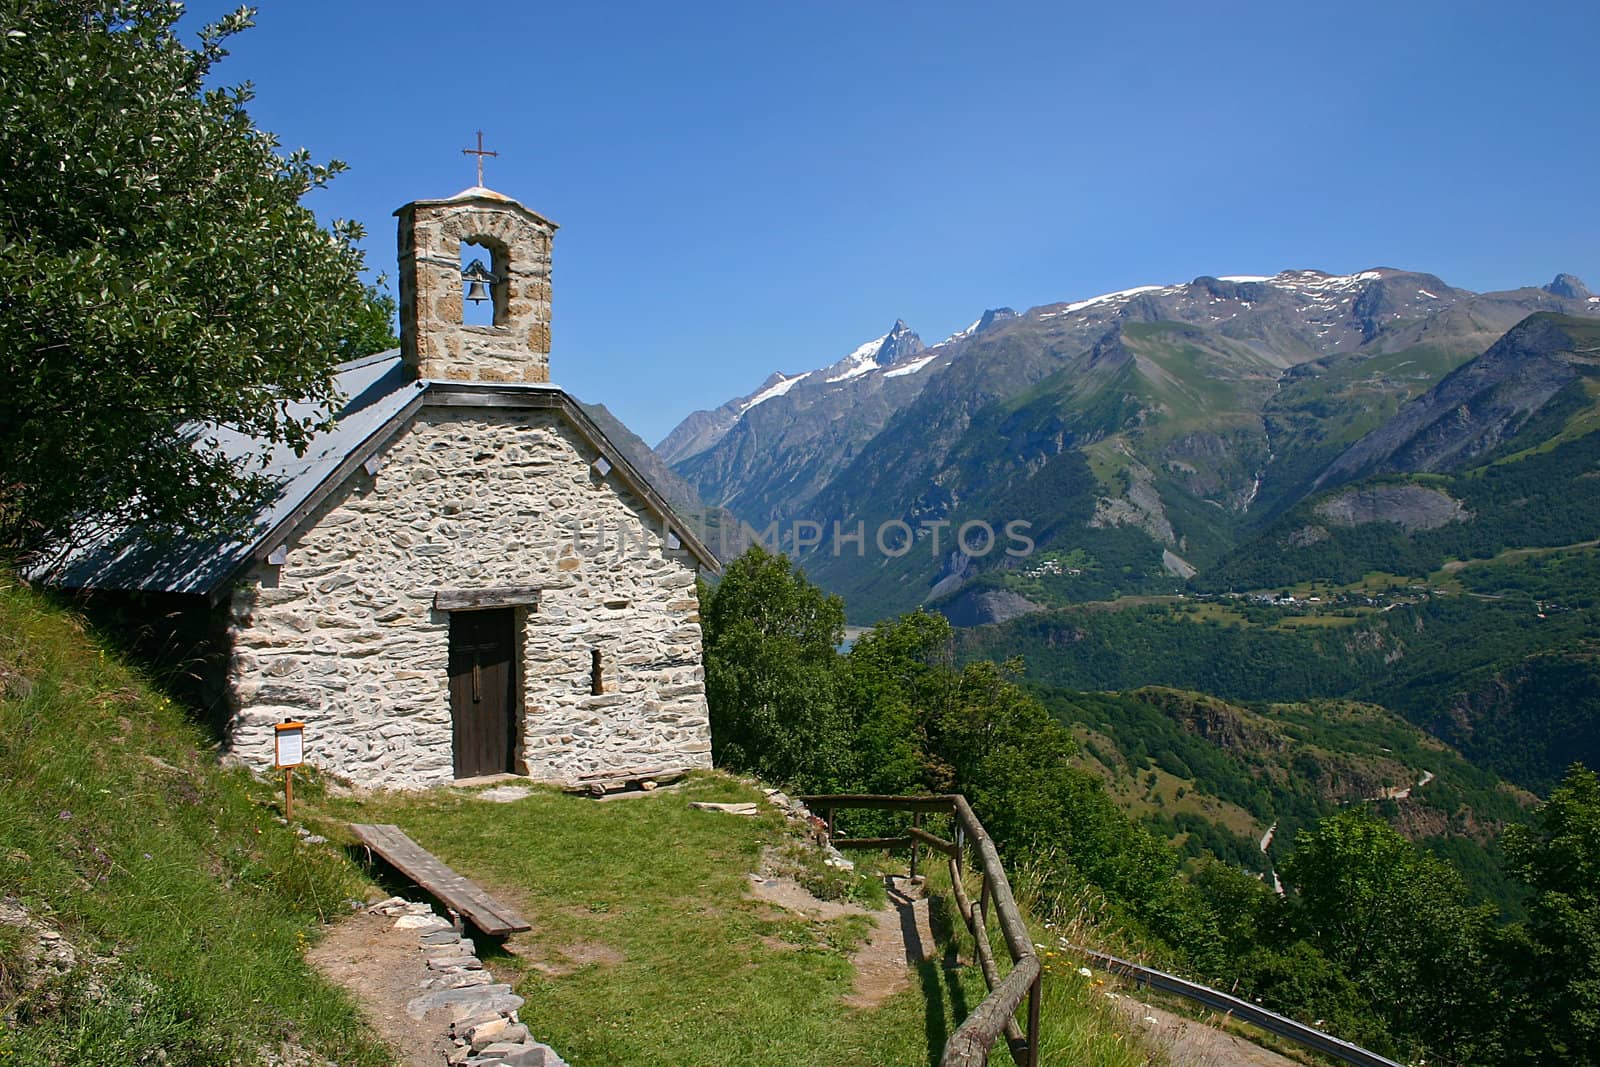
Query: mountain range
1145	437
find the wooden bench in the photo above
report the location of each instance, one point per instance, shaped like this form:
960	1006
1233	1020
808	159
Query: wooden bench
462	896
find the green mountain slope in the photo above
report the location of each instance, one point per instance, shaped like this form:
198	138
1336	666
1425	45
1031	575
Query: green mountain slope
1220	778
1499	455
1510	678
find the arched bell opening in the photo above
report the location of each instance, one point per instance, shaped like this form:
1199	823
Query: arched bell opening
485	266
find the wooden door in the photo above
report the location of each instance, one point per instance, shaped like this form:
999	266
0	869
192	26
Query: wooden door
483	680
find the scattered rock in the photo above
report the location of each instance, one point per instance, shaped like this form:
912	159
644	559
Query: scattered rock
45	956
747	808
1411	507
15	686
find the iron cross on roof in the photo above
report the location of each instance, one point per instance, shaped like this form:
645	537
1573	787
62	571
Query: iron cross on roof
480	152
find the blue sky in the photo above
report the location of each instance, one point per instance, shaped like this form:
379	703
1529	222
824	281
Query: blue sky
751	187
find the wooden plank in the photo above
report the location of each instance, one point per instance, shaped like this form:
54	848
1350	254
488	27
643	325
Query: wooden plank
460	894
455	891
498	596
659	773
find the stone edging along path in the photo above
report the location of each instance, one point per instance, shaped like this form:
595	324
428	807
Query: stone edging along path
481	1013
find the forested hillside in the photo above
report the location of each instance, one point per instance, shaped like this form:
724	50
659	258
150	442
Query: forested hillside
1511	680
1382	941
1238	783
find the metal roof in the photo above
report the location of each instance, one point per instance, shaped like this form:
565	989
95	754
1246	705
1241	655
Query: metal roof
381	400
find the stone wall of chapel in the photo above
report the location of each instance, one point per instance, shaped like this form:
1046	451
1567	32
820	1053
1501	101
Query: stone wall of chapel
344	634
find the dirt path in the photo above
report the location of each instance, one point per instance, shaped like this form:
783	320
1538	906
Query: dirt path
382	970
901	938
1190	1043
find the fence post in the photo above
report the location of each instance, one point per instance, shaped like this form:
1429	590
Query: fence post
1035	995
916	821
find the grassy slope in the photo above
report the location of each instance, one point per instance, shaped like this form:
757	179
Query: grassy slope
641	906
117	827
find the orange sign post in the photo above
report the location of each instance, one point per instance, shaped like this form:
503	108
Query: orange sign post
288	752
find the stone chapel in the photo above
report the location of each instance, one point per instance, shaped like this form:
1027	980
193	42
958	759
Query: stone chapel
464	577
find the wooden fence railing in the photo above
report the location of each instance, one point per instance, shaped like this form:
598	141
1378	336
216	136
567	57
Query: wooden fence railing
997	1014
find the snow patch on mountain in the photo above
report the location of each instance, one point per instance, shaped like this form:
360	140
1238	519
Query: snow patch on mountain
909	368
1104	298
776	389
859	362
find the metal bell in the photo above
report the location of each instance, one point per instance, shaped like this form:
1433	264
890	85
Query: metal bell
476	275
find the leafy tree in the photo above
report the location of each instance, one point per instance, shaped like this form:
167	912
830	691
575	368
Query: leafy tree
893	673
157	271
772	674
1558	854
1302	982
1395	921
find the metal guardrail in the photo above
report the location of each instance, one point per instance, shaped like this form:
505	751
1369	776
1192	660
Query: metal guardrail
969	1045
1270	1021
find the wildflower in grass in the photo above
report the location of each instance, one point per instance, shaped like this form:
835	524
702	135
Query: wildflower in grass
1086	972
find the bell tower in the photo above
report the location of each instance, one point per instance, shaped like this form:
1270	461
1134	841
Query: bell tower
435	341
